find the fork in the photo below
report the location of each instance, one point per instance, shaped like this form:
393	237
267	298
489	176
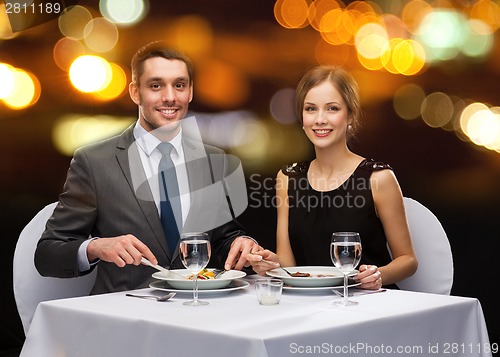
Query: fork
152	297
218	273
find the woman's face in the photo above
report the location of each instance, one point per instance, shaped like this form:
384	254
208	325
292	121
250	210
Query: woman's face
325	115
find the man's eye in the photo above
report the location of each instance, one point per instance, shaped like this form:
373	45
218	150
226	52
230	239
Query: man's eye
155	86
180	85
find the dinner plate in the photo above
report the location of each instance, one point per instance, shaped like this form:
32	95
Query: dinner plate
235	284
180	281
321	276
318	288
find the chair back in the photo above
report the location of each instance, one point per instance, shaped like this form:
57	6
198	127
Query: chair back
435	260
30	288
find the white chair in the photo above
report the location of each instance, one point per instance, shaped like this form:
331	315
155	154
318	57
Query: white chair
30	288
435	260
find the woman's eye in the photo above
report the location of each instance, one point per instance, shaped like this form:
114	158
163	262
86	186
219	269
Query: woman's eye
309	109
333	108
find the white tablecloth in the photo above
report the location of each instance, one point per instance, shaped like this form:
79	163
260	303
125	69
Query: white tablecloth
398	323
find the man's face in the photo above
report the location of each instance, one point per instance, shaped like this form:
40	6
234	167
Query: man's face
163	94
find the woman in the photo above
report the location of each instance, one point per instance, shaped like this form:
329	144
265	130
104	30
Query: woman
338	191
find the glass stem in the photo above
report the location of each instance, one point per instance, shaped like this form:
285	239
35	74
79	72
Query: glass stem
345	289
195	290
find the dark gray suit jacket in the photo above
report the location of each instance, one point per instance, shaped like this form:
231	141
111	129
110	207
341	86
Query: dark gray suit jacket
101	199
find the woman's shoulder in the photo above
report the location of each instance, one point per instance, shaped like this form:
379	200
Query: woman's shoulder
295	169
372	165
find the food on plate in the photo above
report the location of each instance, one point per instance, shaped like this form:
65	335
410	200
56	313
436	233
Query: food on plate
299	274
204	274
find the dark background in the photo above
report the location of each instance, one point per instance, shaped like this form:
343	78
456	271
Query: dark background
457	180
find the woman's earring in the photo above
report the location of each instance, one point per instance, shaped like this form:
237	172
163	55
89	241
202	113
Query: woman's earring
349	127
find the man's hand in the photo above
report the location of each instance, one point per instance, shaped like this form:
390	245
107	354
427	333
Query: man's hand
122	250
241	246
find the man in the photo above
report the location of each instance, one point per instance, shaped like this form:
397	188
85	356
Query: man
101	199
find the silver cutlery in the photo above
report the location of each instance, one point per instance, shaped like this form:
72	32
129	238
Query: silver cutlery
152	297
166	271
219	272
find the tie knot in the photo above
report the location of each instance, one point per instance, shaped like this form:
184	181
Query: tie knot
165	148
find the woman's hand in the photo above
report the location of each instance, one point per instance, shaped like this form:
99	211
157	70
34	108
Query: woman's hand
263	261
369	276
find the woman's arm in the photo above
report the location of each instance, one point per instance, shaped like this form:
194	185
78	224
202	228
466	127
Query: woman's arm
283	247
390	209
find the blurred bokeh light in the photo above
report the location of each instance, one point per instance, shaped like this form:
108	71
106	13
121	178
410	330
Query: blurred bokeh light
90	73
73	131
124	12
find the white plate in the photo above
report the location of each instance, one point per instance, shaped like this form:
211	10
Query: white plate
235	284
334	276
183	283
317	288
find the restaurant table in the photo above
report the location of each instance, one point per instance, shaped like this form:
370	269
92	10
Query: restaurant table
394	322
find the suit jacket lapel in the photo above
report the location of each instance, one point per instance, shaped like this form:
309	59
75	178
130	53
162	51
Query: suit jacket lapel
131	165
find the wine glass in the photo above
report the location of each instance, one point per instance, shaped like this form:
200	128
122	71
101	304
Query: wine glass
195	253
345	251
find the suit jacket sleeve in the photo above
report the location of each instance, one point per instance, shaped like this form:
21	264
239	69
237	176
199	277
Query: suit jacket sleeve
70	224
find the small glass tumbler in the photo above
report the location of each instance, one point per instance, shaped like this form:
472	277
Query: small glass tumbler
268	291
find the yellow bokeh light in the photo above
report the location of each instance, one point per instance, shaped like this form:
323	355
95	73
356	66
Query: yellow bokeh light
483	128
116	86
251	140
487	11
371	40
7	79
373	64
413	14
124	12
66	50
373	47
100	35
73	20
388	56
318	8
25	92
408	101
90	73
418	63
293	13
331	27
437	109
468	112
403	56
73	131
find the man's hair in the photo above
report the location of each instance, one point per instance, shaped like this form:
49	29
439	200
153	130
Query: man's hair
158	49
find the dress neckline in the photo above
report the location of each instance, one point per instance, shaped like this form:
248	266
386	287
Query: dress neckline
339	186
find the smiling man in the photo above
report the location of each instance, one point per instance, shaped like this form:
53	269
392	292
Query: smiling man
101	201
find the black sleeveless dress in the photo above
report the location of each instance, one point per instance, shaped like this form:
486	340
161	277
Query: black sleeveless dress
314	215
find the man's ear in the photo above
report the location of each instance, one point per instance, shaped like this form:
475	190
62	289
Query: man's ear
133	90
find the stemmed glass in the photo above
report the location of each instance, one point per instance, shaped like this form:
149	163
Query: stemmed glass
195	253
345	251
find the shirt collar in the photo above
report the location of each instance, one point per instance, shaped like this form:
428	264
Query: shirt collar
148	142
